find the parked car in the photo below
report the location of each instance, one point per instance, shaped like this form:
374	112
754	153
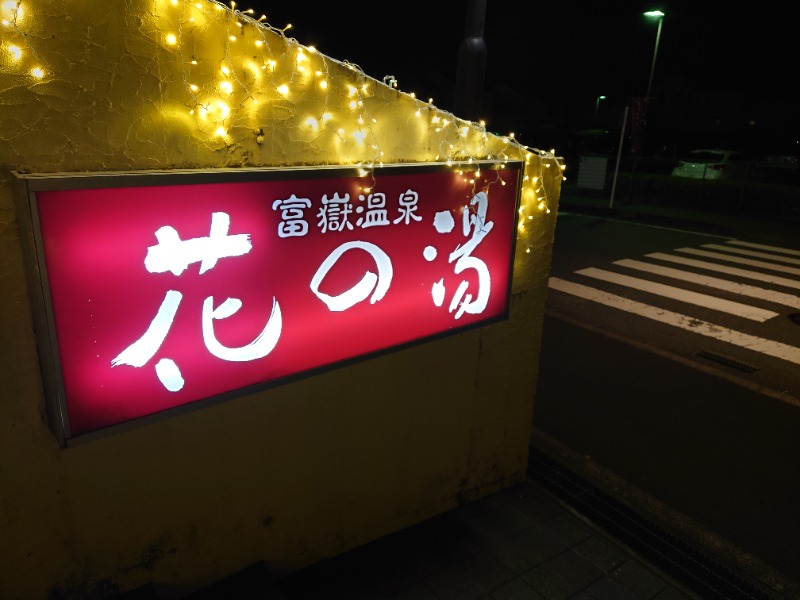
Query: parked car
717	164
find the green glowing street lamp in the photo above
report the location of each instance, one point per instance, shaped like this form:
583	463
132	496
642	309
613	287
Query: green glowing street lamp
597	106
653	14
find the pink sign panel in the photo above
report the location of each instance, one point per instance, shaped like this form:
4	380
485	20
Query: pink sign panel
166	291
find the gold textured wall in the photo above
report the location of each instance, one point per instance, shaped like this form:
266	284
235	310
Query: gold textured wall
289	475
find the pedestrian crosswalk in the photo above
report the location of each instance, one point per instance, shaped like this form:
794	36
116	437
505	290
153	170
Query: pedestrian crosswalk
754	282
726	285
676	293
721	268
740	260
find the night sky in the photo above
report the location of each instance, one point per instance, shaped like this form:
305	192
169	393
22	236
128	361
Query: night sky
577	50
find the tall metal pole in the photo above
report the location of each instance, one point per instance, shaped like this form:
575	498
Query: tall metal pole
645	109
653	65
471	64
597	107
619	156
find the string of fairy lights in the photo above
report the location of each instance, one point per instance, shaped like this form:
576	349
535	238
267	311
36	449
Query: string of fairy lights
255	80
12	15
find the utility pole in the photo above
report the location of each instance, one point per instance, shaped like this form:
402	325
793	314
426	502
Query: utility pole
471	70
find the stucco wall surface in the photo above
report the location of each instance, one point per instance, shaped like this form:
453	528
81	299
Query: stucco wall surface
292	474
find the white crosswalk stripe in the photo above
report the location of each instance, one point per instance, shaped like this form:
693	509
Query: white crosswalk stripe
668	291
701	264
768	265
735	287
740	260
765	247
765	346
754	253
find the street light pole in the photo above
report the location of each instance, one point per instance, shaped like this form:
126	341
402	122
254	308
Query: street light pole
597	107
471	68
642	120
660	16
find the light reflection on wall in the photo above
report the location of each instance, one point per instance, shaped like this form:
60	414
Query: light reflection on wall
244	82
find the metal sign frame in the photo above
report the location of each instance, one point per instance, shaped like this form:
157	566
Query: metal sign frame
30	185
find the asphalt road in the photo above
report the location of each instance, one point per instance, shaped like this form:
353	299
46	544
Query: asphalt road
725	304
700	422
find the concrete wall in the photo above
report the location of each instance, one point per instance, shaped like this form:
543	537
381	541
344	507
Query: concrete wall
289	475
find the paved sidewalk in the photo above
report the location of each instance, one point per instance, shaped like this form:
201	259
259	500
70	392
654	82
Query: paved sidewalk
520	543
550	537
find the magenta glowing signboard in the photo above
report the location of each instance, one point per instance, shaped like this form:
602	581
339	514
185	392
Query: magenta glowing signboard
163	290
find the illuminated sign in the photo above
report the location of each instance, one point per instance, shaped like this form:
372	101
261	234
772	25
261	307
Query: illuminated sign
163	290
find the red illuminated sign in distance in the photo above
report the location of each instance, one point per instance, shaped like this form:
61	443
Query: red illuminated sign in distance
166	290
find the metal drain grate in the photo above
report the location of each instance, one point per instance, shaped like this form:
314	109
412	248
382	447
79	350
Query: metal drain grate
704	576
727	361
